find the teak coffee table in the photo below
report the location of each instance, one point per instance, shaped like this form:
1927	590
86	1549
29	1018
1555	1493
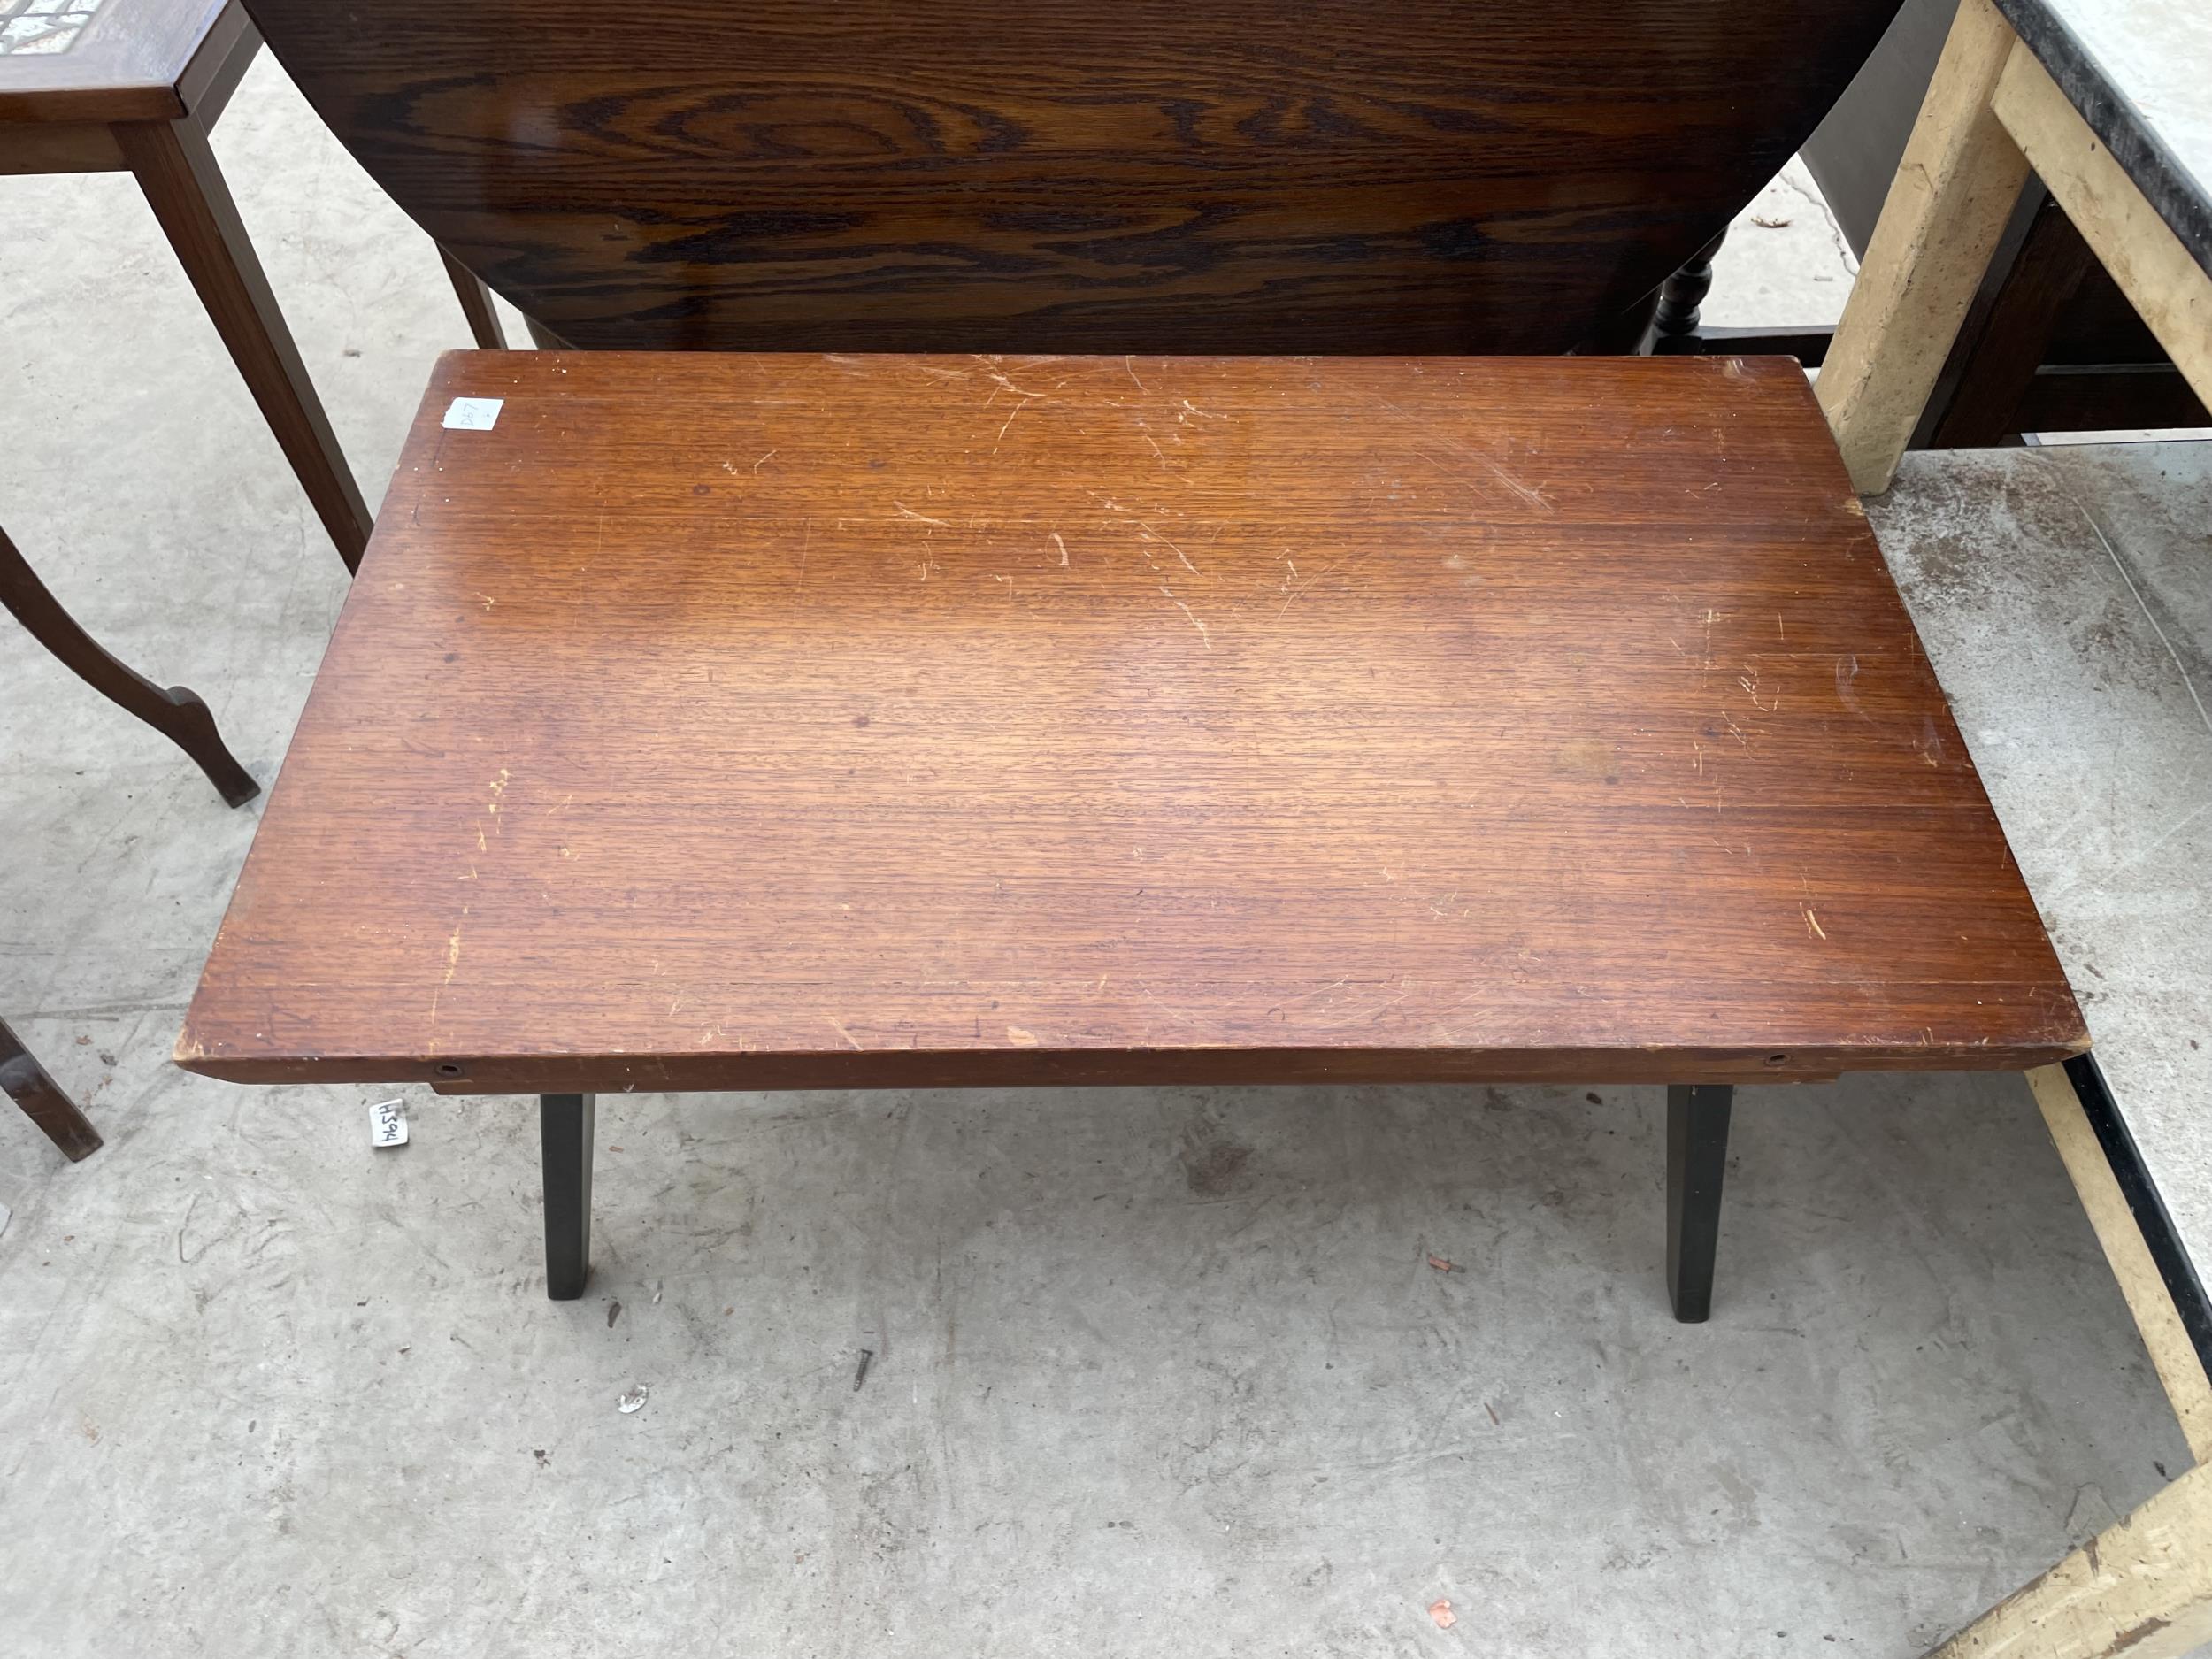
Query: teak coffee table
734	722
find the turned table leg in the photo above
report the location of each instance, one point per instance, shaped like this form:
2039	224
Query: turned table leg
1674	321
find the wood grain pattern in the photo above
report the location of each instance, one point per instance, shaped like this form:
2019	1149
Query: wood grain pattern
779	722
1153	175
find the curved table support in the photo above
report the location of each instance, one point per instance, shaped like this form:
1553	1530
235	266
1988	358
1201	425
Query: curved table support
176	714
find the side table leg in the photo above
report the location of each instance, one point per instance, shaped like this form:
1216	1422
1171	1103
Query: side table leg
476	303
565	1123
544	338
176	169
1697	1157
175	713
27	1082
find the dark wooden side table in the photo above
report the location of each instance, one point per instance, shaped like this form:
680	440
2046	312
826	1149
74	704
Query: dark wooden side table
97	85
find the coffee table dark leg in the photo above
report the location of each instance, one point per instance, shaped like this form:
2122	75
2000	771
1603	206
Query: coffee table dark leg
1697	1157
565	1123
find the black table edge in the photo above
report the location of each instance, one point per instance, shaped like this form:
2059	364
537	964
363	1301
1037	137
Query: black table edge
2182	200
2151	1217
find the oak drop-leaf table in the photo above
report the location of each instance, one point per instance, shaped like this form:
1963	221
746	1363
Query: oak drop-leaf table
781	722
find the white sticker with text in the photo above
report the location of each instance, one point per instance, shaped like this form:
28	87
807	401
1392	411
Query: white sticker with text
473	414
388	1124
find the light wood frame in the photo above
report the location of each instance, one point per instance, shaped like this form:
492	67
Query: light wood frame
1992	112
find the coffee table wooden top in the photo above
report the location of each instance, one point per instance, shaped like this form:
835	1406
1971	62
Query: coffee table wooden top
788	722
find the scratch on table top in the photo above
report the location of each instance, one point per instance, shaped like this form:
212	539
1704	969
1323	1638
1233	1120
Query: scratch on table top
1812	922
1187	611
1009	386
838	1028
1010	422
1847	692
1750	683
1308	586
1150	535
1179	1019
1062	546
1531	496
920	518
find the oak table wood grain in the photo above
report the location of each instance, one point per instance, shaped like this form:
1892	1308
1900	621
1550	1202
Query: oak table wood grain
795	721
1151	175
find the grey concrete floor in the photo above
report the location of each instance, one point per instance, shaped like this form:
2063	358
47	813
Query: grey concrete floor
1154	1372
2062	595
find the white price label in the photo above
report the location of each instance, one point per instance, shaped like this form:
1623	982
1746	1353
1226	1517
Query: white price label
473	414
388	1124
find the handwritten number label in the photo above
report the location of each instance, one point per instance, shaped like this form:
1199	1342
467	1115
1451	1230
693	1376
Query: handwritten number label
388	1124
473	414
